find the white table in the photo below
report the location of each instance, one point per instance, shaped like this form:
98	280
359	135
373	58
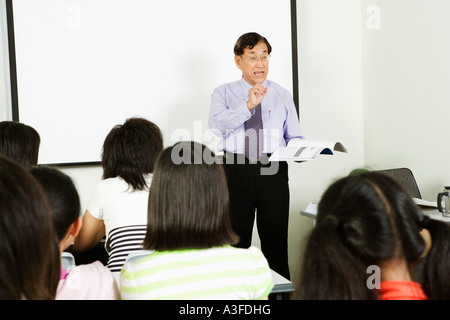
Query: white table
432	213
281	285
435	214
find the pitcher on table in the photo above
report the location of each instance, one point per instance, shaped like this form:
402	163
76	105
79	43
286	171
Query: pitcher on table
443	201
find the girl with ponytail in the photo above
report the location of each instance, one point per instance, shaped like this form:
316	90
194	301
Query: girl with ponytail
365	244
433	270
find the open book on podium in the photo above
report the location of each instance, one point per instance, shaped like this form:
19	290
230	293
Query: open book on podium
304	150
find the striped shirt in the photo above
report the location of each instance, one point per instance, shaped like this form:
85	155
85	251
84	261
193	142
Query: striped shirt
220	273
121	242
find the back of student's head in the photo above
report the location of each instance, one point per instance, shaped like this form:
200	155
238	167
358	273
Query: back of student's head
29	259
130	151
434	270
62	195
188	201
19	142
362	220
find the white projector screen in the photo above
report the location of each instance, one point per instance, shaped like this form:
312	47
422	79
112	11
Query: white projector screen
83	66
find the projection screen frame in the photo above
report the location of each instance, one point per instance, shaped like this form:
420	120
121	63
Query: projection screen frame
14	80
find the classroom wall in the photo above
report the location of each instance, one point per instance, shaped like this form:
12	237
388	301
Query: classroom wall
331	104
331	108
406	81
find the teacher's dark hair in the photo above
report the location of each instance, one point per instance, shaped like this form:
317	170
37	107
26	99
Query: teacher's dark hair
29	253
130	151
19	142
188	201
249	40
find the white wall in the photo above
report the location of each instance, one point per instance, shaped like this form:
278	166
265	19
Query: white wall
330	83
406	60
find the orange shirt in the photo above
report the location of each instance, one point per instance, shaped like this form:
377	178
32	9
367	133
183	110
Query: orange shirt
401	290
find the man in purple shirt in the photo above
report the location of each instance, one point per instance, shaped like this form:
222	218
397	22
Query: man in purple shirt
254	185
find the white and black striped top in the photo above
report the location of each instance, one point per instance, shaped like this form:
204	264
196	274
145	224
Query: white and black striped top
121	242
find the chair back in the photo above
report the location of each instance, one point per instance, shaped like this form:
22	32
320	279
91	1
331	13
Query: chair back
67	260
137	255
405	178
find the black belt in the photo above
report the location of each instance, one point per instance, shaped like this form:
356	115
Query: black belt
240	158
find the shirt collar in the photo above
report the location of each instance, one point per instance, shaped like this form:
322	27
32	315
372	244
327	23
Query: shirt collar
247	86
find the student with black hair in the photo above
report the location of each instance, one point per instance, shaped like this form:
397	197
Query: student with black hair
365	243
29	259
432	270
19	142
190	237
118	205
91	281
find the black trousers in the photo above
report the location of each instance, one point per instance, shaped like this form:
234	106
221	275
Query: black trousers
260	188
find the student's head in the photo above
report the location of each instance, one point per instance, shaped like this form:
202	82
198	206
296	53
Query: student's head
188	201
64	201
130	151
363	220
251	55
29	259
433	271
19	142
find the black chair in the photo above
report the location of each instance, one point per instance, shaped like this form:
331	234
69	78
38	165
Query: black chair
405	178
97	253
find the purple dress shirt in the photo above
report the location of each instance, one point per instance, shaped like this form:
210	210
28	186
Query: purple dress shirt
229	112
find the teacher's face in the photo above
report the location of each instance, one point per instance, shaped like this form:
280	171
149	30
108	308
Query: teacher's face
254	63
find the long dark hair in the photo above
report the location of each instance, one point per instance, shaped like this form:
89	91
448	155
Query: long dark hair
188	201
130	151
19	142
29	256
433	271
362	220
